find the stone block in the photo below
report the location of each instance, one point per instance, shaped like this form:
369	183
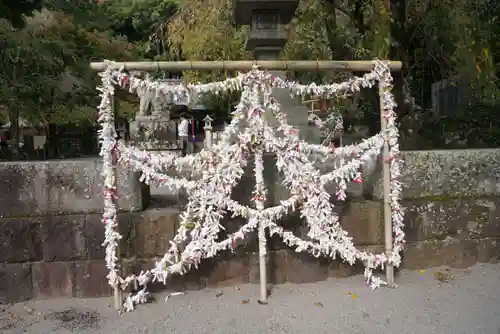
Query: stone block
276	264
90	279
161	197
52	279
453	252
63	237
292	223
242	192
488	250
193	280
364	221
463	218
94	234
450	173
94	237
339	268
227	272
148	233
491	228
63	186
20	240
16	283
354	190
231	225
276	191
297	113
135	266
304	268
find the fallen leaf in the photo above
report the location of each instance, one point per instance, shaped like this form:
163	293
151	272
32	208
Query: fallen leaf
219	294
318	304
443	277
421	271
354	296
261	302
347	293
245	301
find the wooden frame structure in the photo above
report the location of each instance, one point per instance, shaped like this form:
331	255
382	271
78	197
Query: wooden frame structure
245	65
276	65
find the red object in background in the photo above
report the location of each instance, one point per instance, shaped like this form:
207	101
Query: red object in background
192	129
323	105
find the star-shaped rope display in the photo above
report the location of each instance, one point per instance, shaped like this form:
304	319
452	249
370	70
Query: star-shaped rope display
221	167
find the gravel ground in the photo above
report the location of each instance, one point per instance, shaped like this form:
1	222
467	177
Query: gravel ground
436	300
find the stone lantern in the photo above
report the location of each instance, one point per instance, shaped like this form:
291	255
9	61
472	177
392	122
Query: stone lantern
208	122
267	37
154	128
208	131
267	20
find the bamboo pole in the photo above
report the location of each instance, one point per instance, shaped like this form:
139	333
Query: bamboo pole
389	270
117	292
242	65
261	234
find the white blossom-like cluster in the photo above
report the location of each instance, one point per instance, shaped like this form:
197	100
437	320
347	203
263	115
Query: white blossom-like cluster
220	168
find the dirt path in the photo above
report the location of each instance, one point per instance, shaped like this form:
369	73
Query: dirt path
432	301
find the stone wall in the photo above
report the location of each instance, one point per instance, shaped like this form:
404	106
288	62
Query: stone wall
62	187
51	233
51	230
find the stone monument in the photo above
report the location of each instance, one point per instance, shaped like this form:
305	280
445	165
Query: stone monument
154	128
266	38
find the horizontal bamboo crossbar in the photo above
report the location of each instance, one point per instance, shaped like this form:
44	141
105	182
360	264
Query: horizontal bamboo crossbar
243	65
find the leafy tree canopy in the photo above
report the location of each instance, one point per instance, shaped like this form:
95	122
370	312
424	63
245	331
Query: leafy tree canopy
434	39
44	54
15	10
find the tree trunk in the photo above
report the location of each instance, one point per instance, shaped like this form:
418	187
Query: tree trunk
14	131
335	43
14	117
381	29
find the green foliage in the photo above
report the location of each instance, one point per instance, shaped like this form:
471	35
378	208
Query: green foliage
204	30
475	127
136	20
45	75
434	39
15	10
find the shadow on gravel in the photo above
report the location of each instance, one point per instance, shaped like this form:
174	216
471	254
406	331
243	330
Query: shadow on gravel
71	319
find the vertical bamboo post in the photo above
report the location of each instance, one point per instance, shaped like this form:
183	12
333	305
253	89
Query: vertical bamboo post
259	205
117	293
387	190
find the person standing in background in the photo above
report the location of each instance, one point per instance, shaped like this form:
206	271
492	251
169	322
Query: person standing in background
183	131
